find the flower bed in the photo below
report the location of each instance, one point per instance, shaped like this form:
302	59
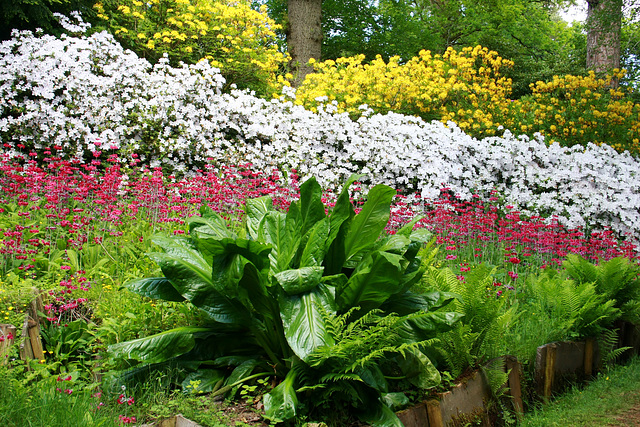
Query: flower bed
84	94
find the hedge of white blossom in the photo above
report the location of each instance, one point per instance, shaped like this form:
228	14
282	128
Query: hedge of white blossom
83	92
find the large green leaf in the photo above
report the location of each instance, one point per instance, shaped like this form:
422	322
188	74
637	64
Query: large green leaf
209	224
255	210
194	284
311	206
373	377
427	325
156	288
203	381
304	324
367	226
300	280
315	242
241	372
378	414
280	404
395	401
410	302
157	348
419	369
274	231
339	223
376	278
255	252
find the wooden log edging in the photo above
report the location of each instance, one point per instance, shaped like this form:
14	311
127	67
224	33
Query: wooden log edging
31	342
559	364
466	402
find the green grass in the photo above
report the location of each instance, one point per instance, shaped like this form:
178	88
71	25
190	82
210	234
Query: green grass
38	403
610	395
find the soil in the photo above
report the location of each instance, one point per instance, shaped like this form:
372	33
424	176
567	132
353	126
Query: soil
630	418
245	411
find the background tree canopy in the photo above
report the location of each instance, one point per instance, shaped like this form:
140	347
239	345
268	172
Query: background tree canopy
529	32
32	14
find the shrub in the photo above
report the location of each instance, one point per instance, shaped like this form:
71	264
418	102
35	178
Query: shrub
82	94
579	109
230	34
464	86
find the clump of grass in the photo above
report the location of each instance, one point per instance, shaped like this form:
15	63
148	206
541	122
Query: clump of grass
39	403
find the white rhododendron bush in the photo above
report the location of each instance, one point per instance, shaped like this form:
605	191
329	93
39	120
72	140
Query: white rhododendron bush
86	93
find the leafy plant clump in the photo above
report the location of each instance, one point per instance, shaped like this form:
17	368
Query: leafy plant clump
319	301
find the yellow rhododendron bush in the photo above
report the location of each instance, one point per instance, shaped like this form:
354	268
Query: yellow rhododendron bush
465	86
575	110
230	34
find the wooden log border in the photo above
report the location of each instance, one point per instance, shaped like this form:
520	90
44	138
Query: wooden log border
30	346
466	402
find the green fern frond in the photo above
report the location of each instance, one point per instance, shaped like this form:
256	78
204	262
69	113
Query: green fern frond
497	376
608	344
335	377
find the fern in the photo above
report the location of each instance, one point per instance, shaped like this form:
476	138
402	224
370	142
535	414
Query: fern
497	376
608	345
616	280
485	317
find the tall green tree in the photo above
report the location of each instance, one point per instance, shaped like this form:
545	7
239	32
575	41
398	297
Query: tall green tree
529	32
33	14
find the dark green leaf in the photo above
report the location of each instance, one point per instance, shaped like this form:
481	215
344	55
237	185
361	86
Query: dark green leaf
156	288
240	372
395	401
157	348
274	231
339	223
315	244
209	225
311	206
203	381
370	222
373	377
419	369
379	414
428	325
410	302
376	278
194	283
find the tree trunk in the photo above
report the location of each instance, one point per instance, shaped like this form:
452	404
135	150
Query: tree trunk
604	23
304	35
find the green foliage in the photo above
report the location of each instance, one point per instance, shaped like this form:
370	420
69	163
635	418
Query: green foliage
70	345
608	346
321	300
616	279
487	315
33	14
38	403
555	308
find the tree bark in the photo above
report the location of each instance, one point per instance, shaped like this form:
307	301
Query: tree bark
604	23
304	36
